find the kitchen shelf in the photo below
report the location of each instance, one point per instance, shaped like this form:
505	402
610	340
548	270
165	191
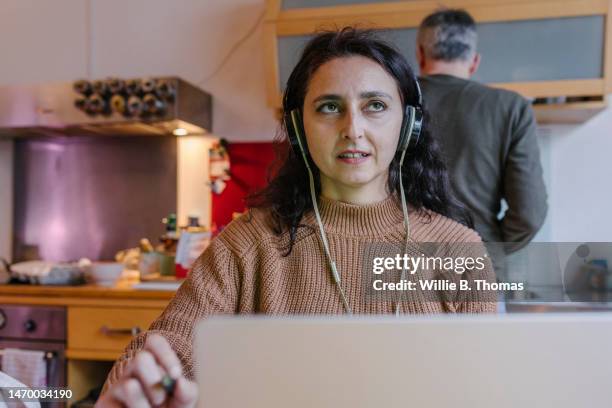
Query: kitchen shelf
568	113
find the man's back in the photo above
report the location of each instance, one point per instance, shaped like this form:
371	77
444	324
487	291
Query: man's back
488	137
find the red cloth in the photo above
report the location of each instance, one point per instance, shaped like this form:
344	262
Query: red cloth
249	164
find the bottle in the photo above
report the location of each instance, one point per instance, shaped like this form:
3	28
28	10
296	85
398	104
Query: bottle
169	242
118	104
116	85
148	85
153	105
132	87
170	238
96	104
165	90
100	87
83	87
134	106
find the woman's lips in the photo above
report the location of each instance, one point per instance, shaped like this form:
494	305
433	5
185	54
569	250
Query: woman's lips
353	157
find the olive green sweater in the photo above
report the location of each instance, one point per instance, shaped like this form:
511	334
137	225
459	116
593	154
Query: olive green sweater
244	271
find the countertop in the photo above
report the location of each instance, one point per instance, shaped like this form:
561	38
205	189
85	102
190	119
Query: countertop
122	294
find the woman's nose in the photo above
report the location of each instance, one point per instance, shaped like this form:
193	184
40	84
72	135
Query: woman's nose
352	127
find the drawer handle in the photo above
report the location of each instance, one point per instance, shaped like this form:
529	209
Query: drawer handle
133	331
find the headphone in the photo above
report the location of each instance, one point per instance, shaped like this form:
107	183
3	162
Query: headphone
412	124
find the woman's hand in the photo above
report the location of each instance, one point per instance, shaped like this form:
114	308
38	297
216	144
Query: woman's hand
140	384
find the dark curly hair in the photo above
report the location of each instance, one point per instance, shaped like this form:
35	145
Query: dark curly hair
424	173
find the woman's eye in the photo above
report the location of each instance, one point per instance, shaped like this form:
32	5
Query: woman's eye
376	106
328	108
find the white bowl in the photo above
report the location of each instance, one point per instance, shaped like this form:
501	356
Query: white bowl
105	273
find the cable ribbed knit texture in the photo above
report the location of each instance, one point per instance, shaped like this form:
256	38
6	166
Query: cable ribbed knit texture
244	271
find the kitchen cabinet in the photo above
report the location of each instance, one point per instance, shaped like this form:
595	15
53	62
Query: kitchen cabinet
100	323
556	51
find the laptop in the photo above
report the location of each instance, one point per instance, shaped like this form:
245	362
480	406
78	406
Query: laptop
541	360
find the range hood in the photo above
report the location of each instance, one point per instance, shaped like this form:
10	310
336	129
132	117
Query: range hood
114	107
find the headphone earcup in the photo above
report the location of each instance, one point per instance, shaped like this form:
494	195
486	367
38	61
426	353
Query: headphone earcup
417	127
412	124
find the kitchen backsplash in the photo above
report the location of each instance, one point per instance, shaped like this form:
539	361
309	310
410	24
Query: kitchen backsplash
89	197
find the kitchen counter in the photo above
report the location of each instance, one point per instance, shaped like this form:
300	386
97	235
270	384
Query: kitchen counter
121	294
100	320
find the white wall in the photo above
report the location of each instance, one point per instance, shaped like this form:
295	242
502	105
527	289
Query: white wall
42	40
581	191
193	190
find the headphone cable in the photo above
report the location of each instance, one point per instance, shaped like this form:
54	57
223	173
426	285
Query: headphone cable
313	197
332	264
406	222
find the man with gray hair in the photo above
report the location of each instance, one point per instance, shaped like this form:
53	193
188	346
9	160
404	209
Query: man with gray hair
487	135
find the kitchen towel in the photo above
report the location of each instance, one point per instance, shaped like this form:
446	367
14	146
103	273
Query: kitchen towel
7	381
26	366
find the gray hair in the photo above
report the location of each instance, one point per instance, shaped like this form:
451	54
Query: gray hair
448	35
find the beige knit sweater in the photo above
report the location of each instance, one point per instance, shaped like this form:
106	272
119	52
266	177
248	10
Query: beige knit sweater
244	271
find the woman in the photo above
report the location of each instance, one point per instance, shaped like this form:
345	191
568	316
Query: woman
340	188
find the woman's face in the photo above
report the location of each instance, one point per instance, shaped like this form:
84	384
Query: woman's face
352	119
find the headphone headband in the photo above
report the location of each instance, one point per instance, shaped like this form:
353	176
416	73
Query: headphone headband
295	132
419	93
412	124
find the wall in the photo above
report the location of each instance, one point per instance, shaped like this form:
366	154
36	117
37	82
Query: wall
192	180
581	193
6	199
577	170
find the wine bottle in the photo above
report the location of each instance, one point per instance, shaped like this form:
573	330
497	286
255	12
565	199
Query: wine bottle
118	104
116	85
100	87
132	87
165	90
148	85
83	87
153	105
96	104
134	106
